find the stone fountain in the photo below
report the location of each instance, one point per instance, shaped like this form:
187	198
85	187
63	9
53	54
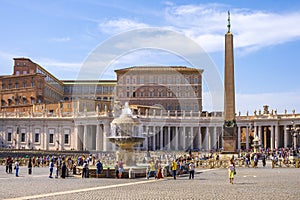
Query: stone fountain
125	133
256	144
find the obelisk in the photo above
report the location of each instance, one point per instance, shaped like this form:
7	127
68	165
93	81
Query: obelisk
229	128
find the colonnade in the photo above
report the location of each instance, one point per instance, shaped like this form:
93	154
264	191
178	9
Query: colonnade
161	133
176	137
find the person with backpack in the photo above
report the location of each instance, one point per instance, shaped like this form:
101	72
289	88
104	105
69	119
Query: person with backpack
99	168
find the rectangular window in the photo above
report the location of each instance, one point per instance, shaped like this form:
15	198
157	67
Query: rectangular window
151	79
9	136
99	89
66	138
128	94
17	85
22	137
37	137
51	138
17	72
142	94
105	89
24	85
160	80
111	89
9	86
142	80
24	72
32	84
3	86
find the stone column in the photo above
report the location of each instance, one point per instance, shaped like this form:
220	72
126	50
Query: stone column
260	135
46	139
85	137
62	141
169	138
239	138
97	137
206	138
75	138
199	138
192	138
147	138
214	138
272	137
183	135
285	135
176	138
161	138
106	131
154	139
247	137
276	136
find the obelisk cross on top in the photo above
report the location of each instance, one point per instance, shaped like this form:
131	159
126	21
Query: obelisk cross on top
229	130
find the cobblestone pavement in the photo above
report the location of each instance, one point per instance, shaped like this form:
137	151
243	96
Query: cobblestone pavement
249	183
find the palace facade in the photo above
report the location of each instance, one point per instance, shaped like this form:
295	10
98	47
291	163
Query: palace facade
38	111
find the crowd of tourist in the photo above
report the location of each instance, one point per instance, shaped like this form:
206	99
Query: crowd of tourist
159	165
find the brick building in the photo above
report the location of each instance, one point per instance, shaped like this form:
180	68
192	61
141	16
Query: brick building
172	88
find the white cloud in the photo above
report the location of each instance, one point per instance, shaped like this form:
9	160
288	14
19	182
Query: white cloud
115	26
207	24
253	29
61	70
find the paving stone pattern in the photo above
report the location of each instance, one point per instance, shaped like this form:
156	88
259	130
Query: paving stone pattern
249	183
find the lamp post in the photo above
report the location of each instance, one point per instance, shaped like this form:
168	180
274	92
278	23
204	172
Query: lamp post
294	131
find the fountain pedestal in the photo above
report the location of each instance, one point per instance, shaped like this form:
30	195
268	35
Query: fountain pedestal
126	151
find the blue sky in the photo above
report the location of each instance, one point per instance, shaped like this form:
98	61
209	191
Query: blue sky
61	35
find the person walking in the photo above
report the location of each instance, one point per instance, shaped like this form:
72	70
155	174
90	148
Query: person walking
151	169
29	165
121	168
10	164
263	158
231	170
84	170
117	169
8	161
63	170
58	167
174	168
192	170
99	168
51	166
17	168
